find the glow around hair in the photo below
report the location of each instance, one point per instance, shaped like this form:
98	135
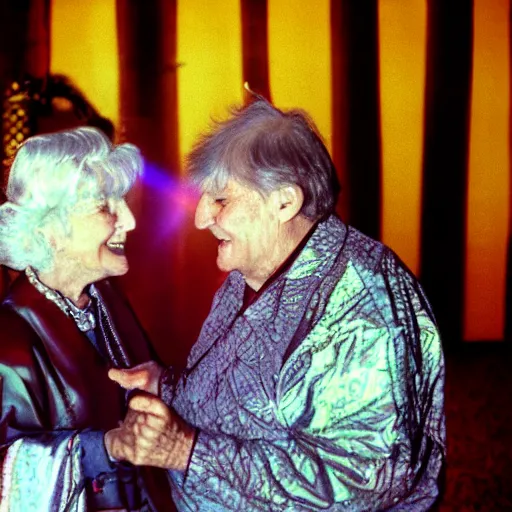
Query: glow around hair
50	175
266	148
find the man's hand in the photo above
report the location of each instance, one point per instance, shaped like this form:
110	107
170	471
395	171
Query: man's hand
145	376
151	435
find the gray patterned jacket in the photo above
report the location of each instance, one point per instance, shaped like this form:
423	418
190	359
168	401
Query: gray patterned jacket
325	394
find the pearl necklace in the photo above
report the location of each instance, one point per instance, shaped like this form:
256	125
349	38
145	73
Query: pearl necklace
84	318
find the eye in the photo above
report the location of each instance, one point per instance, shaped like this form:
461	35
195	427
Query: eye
108	206
222	201
104	207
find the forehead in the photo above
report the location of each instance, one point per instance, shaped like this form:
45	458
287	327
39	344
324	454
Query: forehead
232	188
87	207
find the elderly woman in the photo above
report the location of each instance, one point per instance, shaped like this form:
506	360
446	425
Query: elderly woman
62	325
317	379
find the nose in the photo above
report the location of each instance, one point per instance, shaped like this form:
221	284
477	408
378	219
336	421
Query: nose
125	219
204	217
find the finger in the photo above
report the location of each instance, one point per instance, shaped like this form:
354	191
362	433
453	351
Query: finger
130	378
156	424
150	405
147	437
132	418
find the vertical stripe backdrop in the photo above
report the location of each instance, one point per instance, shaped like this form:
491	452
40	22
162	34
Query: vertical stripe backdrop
412	98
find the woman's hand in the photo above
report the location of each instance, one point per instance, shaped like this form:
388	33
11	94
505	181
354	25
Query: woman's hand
145	376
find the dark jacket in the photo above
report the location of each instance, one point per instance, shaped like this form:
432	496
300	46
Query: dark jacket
53	378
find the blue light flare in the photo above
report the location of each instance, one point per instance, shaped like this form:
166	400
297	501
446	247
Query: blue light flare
169	198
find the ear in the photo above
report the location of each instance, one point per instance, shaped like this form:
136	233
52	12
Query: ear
290	199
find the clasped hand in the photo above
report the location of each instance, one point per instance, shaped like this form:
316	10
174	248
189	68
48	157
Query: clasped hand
151	434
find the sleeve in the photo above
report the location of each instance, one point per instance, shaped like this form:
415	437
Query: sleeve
167	384
41	464
39	469
42	473
348	434
24	399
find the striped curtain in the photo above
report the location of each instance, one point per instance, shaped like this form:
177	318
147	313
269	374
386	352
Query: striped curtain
412	98
417	121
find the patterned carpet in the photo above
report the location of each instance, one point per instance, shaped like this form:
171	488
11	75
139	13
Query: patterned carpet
479	426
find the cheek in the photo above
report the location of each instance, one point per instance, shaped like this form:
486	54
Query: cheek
255	213
103	254
103	229
109	230
263	235
256	216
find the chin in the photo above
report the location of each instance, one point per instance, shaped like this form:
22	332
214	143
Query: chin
120	272
224	266
117	268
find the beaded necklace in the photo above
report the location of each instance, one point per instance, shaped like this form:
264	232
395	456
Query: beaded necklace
84	318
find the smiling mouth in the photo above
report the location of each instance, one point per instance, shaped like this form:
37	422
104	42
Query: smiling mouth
221	239
222	242
116	248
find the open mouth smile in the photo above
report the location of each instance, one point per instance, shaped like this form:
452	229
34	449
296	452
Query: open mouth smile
223	242
116	247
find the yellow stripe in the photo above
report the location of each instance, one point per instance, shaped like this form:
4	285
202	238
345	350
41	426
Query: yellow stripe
299	48
84	48
489	168
402	50
209	52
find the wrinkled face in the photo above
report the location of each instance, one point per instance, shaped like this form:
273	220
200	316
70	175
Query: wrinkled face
246	226
95	247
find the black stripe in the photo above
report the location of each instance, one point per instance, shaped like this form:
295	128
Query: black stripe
148	85
356	111
255	46
508	293
445	163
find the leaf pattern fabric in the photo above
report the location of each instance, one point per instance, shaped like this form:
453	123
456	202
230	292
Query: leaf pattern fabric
351	418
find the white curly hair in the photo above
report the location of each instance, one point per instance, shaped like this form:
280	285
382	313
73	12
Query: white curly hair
49	176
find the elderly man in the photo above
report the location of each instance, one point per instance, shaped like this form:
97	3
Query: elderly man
317	380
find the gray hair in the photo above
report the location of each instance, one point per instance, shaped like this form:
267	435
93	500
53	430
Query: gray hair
50	174
265	148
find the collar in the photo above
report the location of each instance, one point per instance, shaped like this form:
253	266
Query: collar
84	318
251	295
